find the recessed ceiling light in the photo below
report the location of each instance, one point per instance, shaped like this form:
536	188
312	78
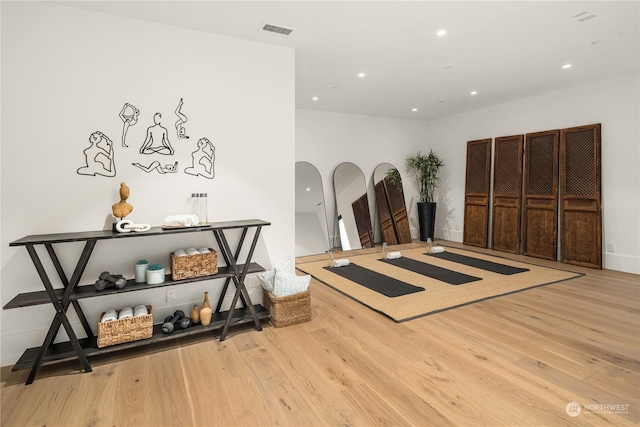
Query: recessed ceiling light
441	33
474	92
361	74
308	189
414	109
565	66
315	98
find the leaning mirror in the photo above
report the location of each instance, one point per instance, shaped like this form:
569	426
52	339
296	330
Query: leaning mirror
353	218
390	205
312	232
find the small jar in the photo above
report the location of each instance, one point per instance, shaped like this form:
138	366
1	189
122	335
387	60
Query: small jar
141	271
195	206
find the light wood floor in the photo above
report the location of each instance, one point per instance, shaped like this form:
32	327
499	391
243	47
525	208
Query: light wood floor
514	360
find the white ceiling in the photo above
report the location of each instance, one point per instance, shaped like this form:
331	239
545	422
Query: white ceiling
505	50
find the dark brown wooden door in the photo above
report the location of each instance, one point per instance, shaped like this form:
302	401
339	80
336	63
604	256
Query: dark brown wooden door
384	215
398	208
363	221
507	193
581	211
476	195
541	195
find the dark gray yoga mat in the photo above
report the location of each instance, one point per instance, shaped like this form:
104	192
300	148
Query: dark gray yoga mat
482	264
380	283
444	275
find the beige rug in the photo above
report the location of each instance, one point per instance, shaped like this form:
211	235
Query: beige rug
437	296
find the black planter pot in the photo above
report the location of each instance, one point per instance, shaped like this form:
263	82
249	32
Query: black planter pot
426	220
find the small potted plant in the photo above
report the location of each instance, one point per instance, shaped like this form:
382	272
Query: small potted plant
155	274
426	169
141	270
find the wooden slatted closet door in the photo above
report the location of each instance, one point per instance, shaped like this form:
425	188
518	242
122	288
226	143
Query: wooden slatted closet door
507	193
384	215
581	209
541	195
398	208
363	221
476	193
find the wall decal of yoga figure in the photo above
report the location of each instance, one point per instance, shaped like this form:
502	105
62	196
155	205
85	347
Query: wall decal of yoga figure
129	116
155	165
99	157
182	119
202	160
157	140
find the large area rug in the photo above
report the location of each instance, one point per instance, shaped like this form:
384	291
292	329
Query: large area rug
433	274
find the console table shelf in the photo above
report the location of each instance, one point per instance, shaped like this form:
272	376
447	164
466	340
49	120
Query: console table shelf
63	351
68	296
89	291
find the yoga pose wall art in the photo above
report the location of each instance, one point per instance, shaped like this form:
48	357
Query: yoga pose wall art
157	140
182	119
155	165
99	157
129	116
202	160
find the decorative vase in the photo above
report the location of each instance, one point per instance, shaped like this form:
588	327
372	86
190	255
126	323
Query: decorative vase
205	311
195	314
141	271
427	220
155	276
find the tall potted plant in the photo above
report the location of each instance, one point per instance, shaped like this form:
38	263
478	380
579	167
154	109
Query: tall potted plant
425	169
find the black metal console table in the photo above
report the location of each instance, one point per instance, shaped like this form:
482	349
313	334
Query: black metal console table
49	353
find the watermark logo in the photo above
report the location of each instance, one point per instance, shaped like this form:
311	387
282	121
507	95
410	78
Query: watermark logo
573	409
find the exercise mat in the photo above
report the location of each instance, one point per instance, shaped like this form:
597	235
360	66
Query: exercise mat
380	283
482	264
442	274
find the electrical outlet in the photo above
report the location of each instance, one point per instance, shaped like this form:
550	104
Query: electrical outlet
171	295
611	247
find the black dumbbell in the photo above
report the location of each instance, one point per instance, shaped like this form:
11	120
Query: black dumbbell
171	321
117	279
185	322
108	281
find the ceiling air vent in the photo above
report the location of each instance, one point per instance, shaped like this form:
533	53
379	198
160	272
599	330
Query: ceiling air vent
276	29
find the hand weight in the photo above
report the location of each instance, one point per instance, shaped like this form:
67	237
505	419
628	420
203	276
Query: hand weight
118	281
171	321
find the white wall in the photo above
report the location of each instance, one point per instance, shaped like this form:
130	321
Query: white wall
66	73
326	139
614	103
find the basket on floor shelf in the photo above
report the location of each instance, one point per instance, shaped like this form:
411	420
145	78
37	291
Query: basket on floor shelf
288	310
125	330
198	265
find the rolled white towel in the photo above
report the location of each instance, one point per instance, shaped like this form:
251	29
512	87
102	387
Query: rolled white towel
341	262
437	250
204	250
109	316
140	310
394	255
179	253
181	220
192	251
125	313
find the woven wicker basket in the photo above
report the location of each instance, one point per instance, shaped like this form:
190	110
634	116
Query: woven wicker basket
125	330
198	265
288	310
